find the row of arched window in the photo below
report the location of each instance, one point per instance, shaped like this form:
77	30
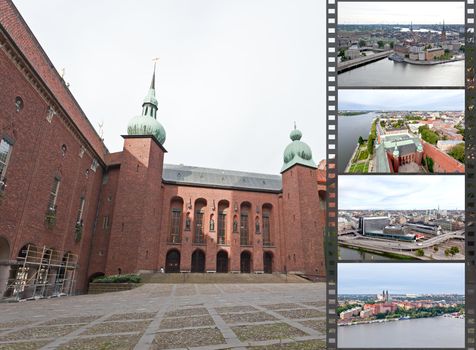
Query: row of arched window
220	219
173	260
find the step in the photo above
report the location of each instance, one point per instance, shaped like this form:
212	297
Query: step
221	278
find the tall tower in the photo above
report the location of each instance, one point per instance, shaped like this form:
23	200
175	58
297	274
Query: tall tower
303	227
443	33
134	239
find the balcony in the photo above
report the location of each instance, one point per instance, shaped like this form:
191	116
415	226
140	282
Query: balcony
174	239
244	241
268	244
222	241
199	240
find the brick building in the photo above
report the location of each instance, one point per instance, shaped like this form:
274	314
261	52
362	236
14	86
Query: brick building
70	210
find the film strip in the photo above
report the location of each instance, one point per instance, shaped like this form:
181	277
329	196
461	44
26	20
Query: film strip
331	176
470	154
470	176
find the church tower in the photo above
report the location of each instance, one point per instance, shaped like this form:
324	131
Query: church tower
133	245
443	33
303	229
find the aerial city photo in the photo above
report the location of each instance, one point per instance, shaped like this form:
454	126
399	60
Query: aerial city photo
410	217
401	305
393	43
401	131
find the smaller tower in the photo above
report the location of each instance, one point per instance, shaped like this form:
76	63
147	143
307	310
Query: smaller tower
303	227
396	160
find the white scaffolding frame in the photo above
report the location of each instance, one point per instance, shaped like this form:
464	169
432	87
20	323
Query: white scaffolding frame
42	273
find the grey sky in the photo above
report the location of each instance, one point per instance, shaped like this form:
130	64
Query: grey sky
406	192
416	100
233	76
400	278
417	12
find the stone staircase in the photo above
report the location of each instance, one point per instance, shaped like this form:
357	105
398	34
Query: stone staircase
221	278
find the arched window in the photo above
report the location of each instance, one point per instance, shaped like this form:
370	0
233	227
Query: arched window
176	205
266	223
199	234
221	231
245	209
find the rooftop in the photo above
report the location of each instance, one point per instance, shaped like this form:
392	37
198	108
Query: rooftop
198	176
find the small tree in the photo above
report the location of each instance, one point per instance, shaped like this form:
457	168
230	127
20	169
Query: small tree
429	163
435	248
457	152
380	44
419	252
362	42
361	140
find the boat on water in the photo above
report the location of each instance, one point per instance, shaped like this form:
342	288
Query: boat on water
395	57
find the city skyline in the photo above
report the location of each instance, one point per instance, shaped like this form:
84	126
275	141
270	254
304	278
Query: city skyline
381	192
417	12
232	76
402	100
401	278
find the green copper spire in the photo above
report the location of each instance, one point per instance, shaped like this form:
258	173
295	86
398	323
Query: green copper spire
297	152
147	124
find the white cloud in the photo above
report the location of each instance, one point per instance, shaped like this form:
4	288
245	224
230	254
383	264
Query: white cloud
404	192
232	78
390	12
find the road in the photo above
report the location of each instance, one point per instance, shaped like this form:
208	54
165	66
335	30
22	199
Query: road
386	245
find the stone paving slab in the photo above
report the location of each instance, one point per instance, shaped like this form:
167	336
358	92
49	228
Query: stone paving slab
267	332
181	316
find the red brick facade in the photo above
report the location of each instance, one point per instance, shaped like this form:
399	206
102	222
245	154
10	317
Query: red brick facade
443	163
126	221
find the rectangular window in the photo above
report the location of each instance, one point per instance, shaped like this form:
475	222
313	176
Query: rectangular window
266	234
5	151
54	194
244	229
221	228
79	219
105	222
176	226
199	237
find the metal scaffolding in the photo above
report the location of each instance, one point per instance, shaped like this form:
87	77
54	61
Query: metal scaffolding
41	273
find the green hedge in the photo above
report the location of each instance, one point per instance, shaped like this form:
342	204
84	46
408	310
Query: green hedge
118	279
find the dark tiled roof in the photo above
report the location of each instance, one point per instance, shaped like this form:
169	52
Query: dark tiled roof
407	149
190	175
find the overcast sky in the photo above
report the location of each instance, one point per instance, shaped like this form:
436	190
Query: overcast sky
405	192
232	78
405	100
418	12
400	278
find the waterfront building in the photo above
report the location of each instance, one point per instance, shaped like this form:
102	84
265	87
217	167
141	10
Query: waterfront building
71	210
433	53
394	150
380	227
353	52
422	227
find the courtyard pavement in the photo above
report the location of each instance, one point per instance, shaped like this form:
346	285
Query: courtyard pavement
172	316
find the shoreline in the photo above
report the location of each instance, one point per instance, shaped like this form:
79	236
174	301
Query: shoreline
394	319
430	63
378	252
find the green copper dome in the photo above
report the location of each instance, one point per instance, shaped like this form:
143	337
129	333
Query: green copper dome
147	124
297	152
